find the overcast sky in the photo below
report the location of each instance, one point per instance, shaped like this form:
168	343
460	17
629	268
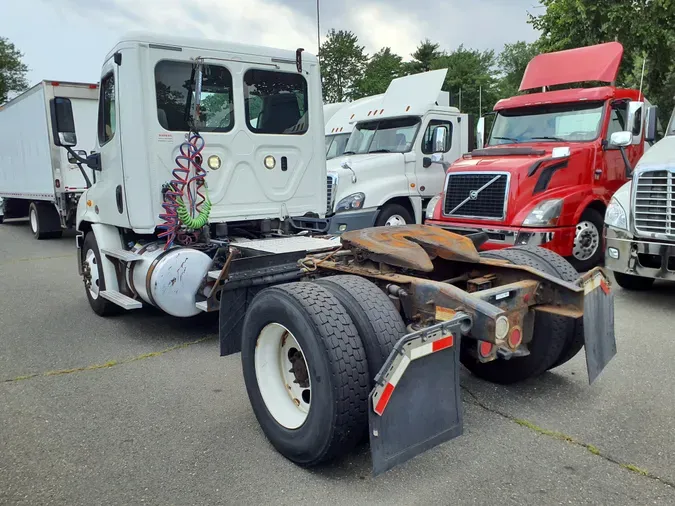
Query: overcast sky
68	41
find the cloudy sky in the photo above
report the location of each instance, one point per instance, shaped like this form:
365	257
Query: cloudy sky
68	41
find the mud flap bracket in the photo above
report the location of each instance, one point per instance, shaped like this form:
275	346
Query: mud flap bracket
416	403
599	339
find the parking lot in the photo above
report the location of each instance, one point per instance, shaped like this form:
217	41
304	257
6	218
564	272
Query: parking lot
140	408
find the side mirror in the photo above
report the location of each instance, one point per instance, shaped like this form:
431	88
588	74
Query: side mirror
439	139
63	124
621	139
426	162
480	133
634	118
651	132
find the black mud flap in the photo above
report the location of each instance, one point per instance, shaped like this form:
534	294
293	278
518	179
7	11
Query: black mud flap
599	339
416	403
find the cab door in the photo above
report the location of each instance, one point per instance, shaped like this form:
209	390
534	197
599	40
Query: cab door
107	195
429	180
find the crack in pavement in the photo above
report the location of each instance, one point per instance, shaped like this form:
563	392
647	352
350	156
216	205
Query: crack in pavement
569	439
106	365
34	259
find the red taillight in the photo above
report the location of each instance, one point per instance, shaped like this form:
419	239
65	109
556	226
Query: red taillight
56	83
93	86
485	349
515	337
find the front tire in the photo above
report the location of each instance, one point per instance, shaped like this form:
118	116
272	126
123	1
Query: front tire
631	282
44	221
329	363
394	215
587	250
94	279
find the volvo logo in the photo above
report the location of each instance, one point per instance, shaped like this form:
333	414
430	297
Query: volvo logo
473	194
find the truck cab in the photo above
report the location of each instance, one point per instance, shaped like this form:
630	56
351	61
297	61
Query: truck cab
549	169
339	122
639	238
385	175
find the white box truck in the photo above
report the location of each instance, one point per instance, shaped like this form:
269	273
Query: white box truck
207	152
37	179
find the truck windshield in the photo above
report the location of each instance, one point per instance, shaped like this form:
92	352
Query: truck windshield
335	145
552	122
383	136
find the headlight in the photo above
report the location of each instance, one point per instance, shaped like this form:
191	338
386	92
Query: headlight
431	206
545	214
351	202
214	162
615	216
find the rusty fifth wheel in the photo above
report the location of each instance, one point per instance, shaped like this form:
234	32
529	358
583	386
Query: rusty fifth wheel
306	372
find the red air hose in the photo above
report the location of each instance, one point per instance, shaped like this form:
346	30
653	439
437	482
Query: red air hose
183	185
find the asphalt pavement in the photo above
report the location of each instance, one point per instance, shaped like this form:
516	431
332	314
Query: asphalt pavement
140	409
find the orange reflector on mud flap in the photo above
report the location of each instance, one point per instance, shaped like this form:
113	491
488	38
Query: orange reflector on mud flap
515	337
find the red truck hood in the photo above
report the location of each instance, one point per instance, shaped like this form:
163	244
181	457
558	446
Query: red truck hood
529	182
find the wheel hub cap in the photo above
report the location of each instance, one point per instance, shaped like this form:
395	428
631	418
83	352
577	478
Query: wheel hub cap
90	274
586	241
395	220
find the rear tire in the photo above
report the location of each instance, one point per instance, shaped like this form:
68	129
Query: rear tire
554	336
334	359
631	282
91	265
44	221
376	319
394	215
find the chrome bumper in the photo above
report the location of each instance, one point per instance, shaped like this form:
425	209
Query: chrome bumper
506	237
630	255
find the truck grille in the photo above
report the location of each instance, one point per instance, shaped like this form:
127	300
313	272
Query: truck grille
466	195
331	183
654	202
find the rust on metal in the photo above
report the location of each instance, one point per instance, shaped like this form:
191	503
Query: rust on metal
445	314
568	310
410	246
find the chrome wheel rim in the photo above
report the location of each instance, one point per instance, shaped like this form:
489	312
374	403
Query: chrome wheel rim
33	220
586	241
91	277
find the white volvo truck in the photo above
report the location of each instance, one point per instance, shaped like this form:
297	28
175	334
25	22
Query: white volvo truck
640	218
211	170
385	175
37	179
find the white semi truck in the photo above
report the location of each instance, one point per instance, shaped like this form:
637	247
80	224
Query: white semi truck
339	122
385	176
37	179
640	218
211	174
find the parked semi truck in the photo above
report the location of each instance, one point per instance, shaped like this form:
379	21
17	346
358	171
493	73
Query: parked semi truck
639	235
340	338
549	169
385	176
37	179
340	122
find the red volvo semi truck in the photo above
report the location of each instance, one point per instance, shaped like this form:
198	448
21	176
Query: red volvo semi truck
545	174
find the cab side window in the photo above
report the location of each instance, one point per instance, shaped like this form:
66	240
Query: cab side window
106	110
617	119
428	139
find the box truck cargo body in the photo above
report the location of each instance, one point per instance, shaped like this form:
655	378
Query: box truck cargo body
36	178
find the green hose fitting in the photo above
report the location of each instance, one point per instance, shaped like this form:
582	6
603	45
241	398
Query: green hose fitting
202	218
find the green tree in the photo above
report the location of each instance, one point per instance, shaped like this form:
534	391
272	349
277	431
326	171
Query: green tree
424	57
645	28
382	67
342	62
472	72
511	63
12	70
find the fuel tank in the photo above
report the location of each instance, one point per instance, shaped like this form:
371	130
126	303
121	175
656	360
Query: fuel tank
168	279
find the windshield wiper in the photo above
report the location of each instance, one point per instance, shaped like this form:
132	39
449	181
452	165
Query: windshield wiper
348	152
505	139
545	138
379	151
